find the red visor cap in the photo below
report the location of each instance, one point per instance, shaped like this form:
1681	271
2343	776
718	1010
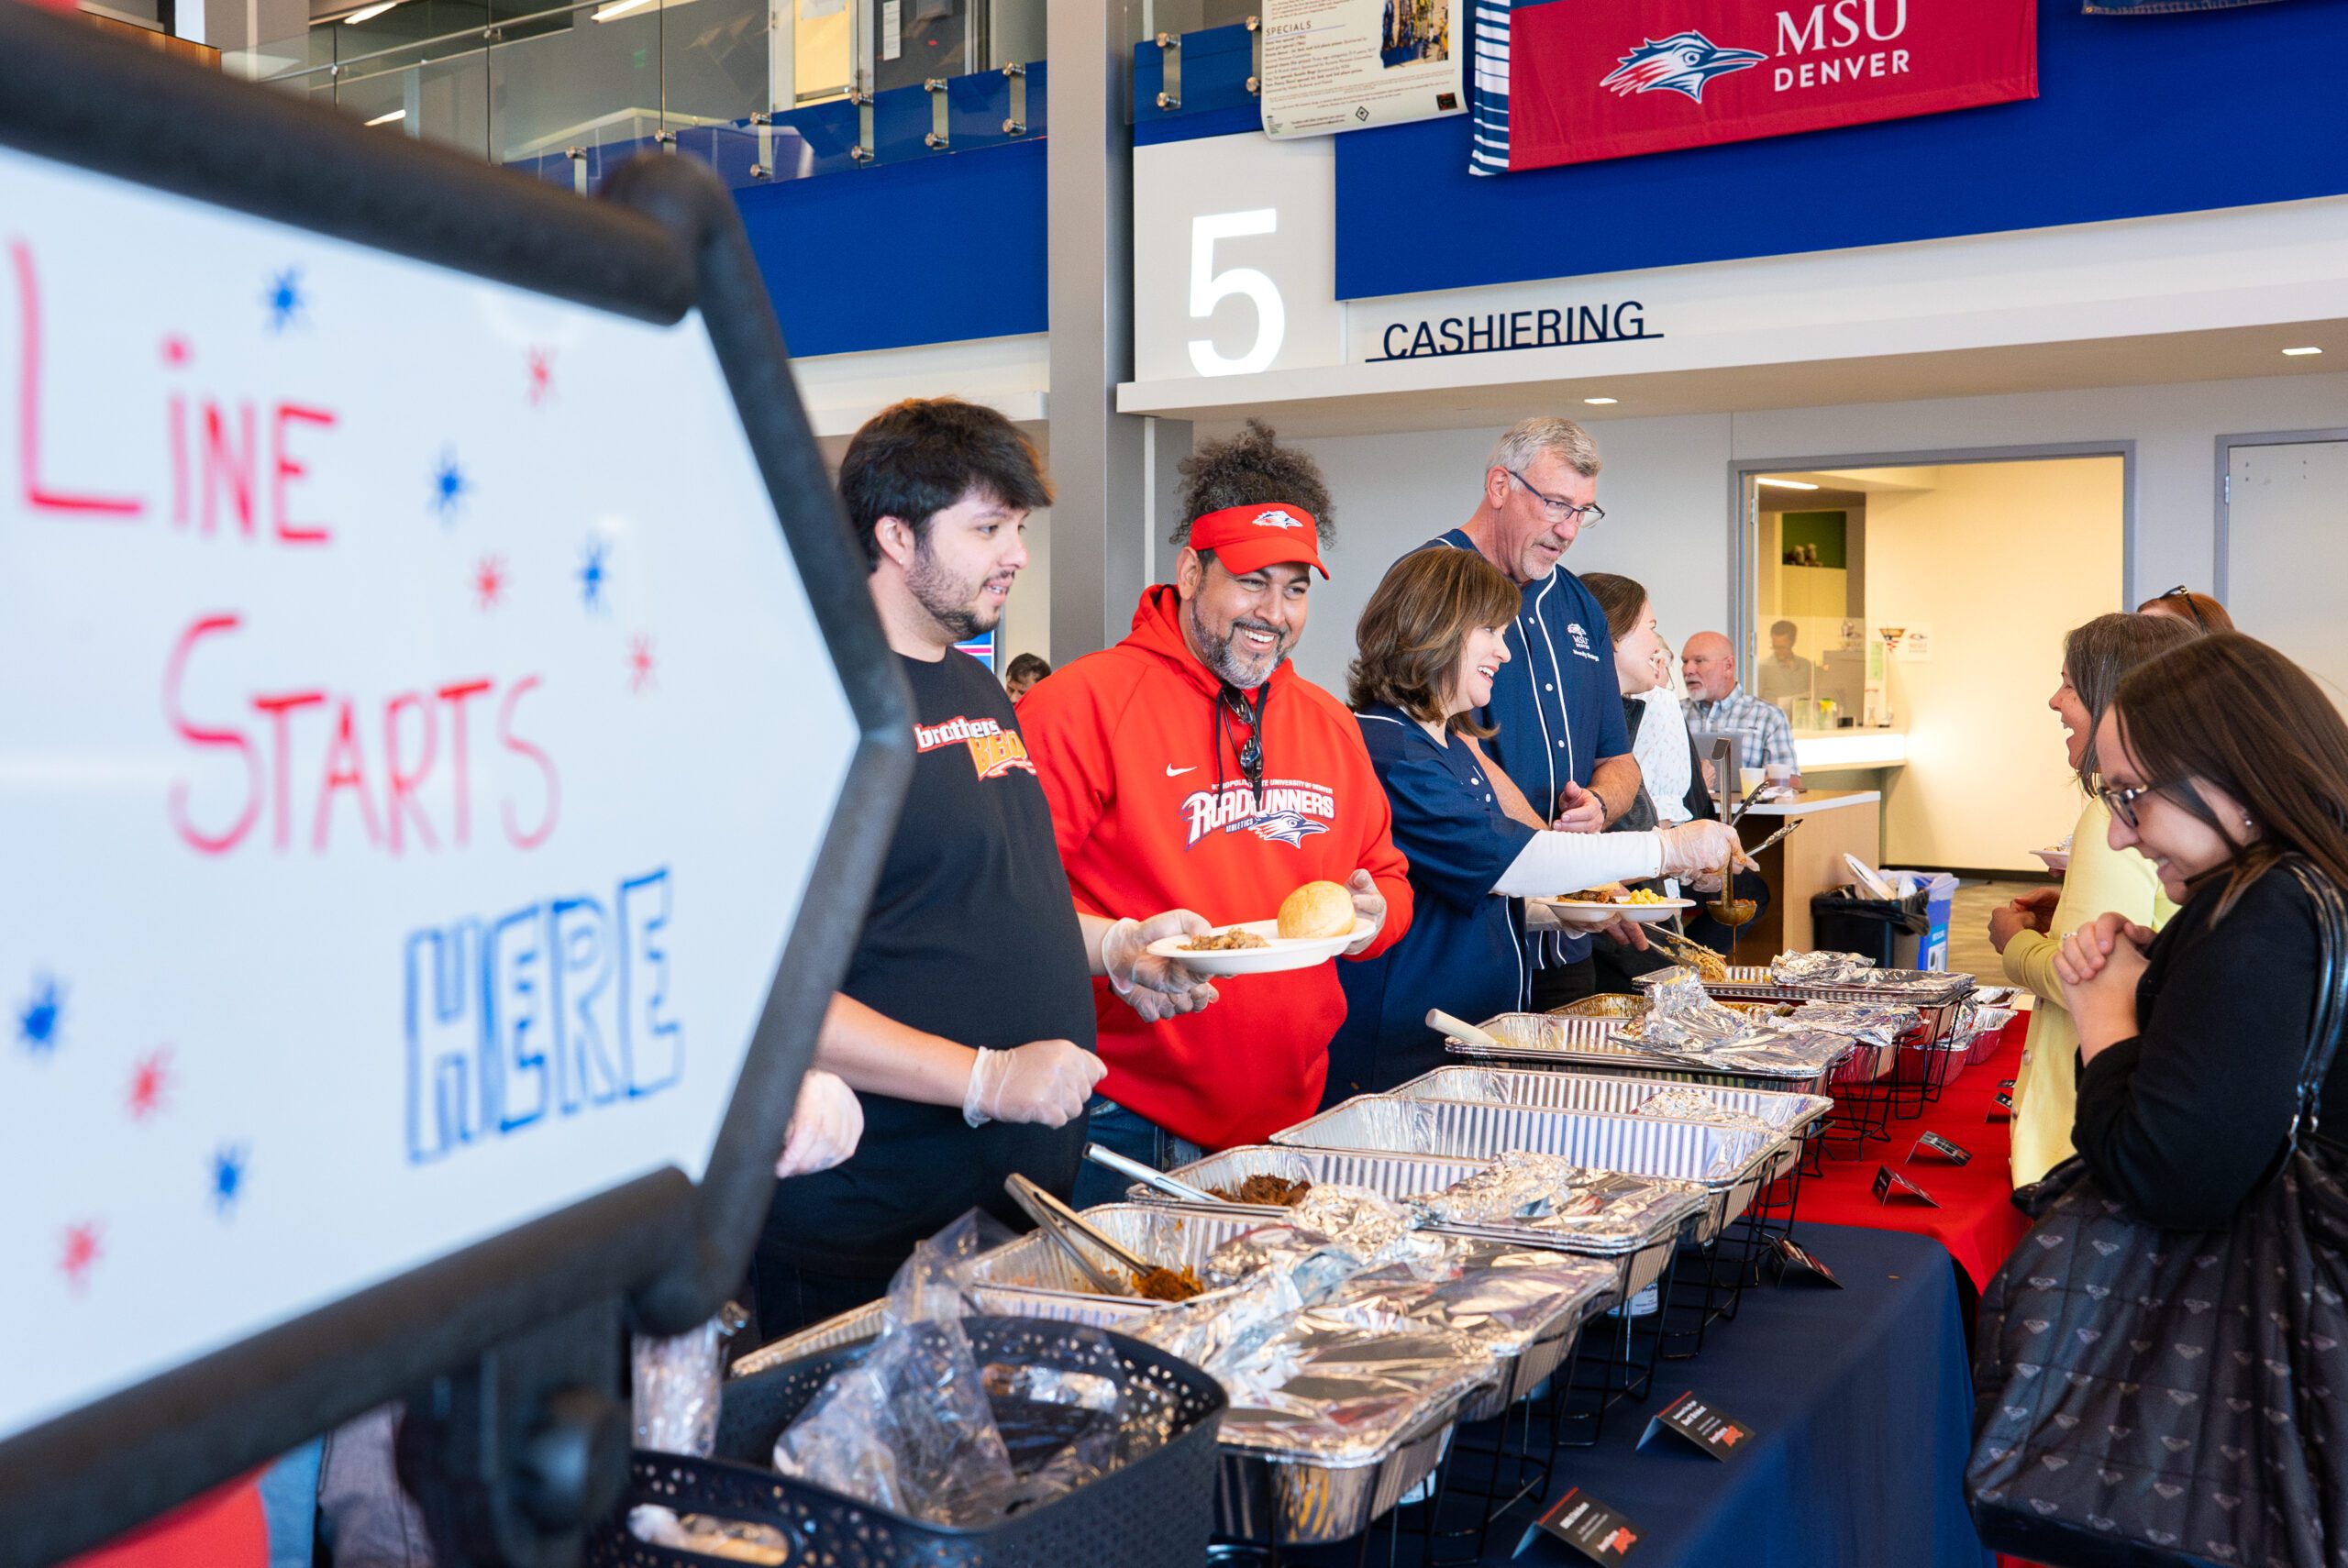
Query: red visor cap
1249	538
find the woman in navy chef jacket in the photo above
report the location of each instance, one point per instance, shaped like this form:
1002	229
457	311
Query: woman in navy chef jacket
1429	645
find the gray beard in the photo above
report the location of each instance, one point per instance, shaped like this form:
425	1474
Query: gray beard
1231	667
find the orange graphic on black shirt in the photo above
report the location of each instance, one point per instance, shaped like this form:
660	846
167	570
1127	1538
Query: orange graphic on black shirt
996	755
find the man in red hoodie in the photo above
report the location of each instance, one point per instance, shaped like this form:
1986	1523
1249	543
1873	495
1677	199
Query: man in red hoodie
1189	764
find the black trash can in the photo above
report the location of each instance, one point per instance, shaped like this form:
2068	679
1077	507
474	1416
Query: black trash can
1889	931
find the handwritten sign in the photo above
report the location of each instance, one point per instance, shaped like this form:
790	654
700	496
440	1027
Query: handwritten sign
411	783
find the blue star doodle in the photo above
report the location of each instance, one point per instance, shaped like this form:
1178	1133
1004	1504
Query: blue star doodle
283	299
36	1020
449	488
228	1177
593	575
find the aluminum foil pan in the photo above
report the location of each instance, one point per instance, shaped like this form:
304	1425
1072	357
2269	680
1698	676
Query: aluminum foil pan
1297	1495
1632	1221
1731	1163
1546	1041
1936	996
1868	1023
1794	1114
1775	1049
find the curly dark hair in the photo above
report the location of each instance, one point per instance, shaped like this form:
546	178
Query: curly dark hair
1248	470
916	458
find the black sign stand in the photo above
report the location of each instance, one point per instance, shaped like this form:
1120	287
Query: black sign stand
508	1351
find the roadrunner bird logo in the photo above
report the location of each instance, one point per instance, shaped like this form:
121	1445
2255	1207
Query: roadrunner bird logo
1290	828
1684	62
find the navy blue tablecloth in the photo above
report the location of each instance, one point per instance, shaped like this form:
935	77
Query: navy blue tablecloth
1863	1404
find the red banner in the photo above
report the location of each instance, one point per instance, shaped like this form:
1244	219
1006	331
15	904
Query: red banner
1598	79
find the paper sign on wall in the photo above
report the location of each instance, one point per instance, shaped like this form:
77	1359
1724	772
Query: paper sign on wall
1338	65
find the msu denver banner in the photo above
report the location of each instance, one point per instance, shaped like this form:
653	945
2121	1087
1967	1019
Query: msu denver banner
1572	81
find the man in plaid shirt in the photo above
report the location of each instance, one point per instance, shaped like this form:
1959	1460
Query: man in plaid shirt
1716	706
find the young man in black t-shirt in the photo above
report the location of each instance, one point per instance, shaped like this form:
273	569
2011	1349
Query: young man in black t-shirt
964	1024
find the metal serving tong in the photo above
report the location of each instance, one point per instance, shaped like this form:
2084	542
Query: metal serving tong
1064	1225
1774	837
1147	1176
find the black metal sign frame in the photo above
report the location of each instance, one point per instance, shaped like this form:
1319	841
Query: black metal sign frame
664	242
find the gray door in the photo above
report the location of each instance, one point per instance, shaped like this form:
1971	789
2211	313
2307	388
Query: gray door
2287	539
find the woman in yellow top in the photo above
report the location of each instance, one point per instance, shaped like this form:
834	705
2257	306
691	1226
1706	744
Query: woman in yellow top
2028	932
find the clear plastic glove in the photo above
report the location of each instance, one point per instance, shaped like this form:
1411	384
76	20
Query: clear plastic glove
825	1124
1155	987
1045	1080
1369	910
1693	848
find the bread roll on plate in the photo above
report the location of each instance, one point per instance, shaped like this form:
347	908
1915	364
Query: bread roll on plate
1317	910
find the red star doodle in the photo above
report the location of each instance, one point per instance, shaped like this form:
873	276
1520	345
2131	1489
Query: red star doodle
541	376
82	1250
149	1082
489	581
639	663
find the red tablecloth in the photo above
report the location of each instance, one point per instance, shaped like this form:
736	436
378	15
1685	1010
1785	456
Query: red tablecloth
1976	1221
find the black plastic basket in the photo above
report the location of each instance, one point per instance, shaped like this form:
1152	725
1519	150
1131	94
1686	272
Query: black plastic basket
1157	1510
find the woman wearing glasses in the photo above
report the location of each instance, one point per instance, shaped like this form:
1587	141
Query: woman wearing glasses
1432	641
2028	932
2197	611
2219	760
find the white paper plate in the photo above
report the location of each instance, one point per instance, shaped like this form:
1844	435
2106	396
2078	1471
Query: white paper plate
1587	911
1278	952
2057	860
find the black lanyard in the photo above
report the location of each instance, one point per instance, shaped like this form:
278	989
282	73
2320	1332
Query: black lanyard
1234	704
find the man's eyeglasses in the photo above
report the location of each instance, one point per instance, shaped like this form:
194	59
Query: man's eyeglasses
1559	508
2185	596
2121	800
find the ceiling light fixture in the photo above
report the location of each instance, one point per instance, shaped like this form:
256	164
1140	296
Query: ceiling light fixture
2296	353
1788	484
392	118
366	13
619	8
1600	401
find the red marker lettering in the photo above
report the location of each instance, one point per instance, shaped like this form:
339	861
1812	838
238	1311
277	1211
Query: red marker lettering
221	462
174	669
403	784
284	468
345	770
545	765
278	708
455	695
38	496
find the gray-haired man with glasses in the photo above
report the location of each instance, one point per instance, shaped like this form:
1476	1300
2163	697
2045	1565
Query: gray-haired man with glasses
1562	738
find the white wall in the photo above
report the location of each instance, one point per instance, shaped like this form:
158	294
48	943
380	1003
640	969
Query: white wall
1666	491
1665	487
1997	561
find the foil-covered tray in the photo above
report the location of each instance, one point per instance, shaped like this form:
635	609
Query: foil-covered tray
1797	1116
1634	1222
1522	1306
1540	1039
1934	994
1272	1480
1731	1163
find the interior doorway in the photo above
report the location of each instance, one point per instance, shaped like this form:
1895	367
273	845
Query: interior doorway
2280	512
1926	598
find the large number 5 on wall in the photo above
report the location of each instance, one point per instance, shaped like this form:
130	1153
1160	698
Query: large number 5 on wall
1210	288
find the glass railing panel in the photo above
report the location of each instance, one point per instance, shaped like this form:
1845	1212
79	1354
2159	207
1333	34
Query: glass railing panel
716	55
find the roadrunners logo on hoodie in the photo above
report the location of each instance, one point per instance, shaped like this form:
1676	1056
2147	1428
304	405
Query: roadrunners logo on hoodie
1290	811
